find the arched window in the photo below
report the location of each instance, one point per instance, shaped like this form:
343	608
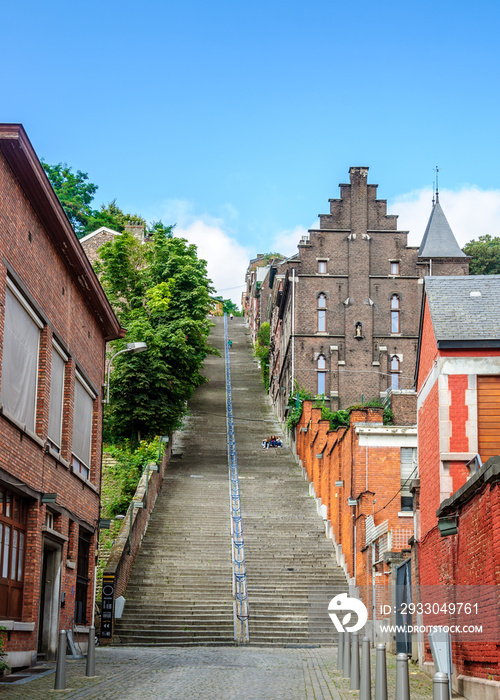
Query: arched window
395	309
321	313
321	374
395	369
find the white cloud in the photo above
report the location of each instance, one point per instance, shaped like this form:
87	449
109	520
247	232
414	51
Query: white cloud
227	260
286	242
471	212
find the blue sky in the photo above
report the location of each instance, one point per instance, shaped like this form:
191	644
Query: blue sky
238	121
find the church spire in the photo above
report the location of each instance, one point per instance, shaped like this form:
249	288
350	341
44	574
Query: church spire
438	240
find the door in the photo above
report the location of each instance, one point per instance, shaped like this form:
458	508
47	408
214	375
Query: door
488	416
403	599
48	617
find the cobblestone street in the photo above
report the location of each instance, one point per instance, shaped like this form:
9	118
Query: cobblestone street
201	673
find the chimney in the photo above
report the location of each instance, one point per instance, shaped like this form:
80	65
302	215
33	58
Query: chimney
137	230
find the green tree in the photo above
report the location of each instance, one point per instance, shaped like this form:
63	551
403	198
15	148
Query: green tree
485	254
229	307
75	193
262	351
160	291
111	216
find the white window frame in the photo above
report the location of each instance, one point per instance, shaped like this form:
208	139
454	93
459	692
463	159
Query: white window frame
55	441
78	462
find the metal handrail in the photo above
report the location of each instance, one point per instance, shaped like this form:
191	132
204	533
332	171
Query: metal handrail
240	593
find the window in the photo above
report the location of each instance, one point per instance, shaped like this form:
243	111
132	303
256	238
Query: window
408	473
20	358
321	313
56	397
13	511
395	369
322	267
394	268
395	309
82	427
82	577
321	375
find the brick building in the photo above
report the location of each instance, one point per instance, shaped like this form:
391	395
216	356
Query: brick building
92	242
456	553
359	476
54	323
348	303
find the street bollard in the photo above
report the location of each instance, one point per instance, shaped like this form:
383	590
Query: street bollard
340	652
380	673
440	689
347	655
60	683
365	683
90	670
354	685
402	678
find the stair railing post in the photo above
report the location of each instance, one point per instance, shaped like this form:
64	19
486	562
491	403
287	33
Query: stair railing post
365	684
380	673
347	655
340	651
60	683
402	678
440	686
354	685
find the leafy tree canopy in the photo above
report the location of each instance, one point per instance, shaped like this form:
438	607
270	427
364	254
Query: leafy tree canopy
485	254
74	191
76	195
160	291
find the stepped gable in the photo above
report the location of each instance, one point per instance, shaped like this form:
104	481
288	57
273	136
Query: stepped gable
438	240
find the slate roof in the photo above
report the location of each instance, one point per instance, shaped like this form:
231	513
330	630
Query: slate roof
465	308
438	240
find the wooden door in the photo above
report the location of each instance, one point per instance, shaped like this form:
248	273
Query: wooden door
488	416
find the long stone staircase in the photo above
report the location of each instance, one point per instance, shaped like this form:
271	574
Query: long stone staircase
180	591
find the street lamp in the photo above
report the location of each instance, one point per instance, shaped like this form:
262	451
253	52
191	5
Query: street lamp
131	347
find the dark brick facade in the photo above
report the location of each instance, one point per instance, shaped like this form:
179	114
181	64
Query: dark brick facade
352	268
43	261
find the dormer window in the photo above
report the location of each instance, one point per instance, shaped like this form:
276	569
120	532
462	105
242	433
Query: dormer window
394	267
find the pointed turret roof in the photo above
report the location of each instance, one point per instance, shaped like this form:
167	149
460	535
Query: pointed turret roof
438	240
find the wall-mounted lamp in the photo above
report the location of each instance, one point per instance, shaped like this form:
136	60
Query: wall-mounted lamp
131	347
448	526
49	497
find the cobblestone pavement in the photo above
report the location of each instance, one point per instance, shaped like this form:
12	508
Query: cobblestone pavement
208	673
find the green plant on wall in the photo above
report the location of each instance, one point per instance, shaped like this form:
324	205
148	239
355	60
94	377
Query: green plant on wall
262	351
4	666
295	402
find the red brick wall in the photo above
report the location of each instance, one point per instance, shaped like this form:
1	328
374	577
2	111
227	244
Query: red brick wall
429	459
428	347
370	474
470	558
